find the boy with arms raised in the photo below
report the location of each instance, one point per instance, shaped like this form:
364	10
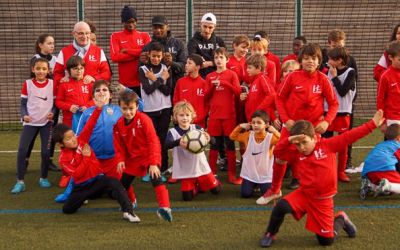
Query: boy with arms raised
316	160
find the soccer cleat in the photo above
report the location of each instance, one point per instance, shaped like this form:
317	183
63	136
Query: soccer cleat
131	217
383	187
294	184
18	187
342	177
44	183
146	178
267	240
348	227
365	188
268	196
165	213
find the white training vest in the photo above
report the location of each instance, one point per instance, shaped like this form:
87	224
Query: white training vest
40	102
257	162
186	164
345	102
155	101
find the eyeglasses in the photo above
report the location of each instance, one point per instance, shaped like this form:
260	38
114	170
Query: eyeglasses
82	33
78	68
103	90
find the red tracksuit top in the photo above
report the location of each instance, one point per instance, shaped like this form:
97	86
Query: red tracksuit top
382	65
275	59
81	168
73	92
128	62
137	143
289	57
388	95
269	72
193	91
96	64
261	96
222	98
318	170
302	95
237	66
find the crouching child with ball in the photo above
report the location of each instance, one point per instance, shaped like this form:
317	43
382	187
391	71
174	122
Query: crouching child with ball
190	164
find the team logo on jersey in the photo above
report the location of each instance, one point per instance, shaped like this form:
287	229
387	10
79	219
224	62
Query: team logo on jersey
209	46
85	89
92	58
200	92
109	111
172	50
140	42
316	89
254	88
139	123
42	98
320	154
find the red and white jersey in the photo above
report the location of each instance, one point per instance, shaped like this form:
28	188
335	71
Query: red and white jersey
193	91
132	43
269	71
275	59
389	93
137	143
261	96
382	65
40	96
96	64
222	97
318	170
302	96
237	66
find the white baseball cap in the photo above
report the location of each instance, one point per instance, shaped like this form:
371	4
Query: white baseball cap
209	18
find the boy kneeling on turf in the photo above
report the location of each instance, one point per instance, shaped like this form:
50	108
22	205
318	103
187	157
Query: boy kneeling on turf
79	161
316	159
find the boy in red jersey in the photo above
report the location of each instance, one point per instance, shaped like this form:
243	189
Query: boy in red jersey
126	47
237	61
139	150
316	159
192	89
222	89
261	94
302	98
268	54
74	96
79	161
388	88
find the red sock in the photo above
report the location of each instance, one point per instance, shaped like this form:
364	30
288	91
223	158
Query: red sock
162	196
231	157
212	160
342	160
277	176
131	194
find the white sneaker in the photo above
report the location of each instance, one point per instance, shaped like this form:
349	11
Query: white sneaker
131	217
384	186
268	196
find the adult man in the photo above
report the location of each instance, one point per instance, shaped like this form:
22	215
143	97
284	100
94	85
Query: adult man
96	66
205	43
126	47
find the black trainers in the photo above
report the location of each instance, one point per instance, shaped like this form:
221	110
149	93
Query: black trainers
294	184
267	240
53	167
348	227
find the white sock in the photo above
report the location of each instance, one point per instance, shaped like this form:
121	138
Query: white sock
21	181
394	187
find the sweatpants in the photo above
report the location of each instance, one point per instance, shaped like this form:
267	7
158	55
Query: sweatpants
247	188
28	136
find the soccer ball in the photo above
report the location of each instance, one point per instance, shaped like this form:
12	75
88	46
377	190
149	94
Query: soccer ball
196	141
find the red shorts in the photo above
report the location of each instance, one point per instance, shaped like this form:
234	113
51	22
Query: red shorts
135	169
340	124
219	127
205	182
109	167
391	176
320	213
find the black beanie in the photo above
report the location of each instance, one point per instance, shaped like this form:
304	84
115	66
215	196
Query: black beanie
128	13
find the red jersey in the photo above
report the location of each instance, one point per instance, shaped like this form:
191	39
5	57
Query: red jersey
137	143
96	64
81	168
382	65
222	97
302	96
192	90
133	43
289	57
261	96
269	71
275	59
388	95
71	93
237	66
318	170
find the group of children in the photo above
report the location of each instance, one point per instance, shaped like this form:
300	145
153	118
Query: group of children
282	114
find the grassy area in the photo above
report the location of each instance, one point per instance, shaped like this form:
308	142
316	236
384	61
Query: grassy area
221	222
